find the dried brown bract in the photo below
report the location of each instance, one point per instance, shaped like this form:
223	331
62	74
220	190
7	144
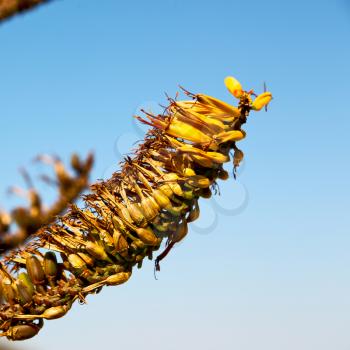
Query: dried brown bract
28	220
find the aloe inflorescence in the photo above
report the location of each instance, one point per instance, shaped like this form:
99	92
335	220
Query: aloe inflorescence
125	218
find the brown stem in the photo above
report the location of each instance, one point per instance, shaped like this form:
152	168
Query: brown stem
9	8
163	255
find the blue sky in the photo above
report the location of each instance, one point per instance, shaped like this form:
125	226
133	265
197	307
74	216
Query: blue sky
275	273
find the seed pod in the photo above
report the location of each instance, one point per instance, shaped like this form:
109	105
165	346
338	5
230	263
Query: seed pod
136	214
172	179
55	312
97	251
198	181
202	161
134	210
166	190
118	278
124	213
189	194
120	243
223	174
25	288
160	226
206	193
162	200
148	204
181	231
153	203
147	236
119	223
22	332
237	157
50	265
9	291
23	296
137	244
143	179
194	213
139	260
35	270
106	238
176	211
148	208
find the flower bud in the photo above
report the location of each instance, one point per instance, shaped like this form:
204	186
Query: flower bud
35	270
261	101
136	214
162	200
166	190
237	157
223	174
22	332
206	193
25	288
147	236
118	278
148	208
234	86
172	179
9	291
55	312
120	243
199	181
189	172
50	265
231	135
96	251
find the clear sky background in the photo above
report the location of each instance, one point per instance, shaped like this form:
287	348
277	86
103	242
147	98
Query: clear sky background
273	274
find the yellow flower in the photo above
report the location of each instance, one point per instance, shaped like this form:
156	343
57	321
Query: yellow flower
261	101
234	86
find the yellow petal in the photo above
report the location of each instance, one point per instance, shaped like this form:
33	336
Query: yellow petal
234	86
187	132
232	135
261	101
